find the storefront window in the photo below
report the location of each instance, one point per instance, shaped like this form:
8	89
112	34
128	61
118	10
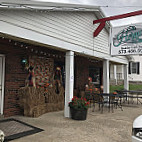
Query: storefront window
95	74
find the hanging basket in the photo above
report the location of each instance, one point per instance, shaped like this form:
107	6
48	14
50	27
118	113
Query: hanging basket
78	114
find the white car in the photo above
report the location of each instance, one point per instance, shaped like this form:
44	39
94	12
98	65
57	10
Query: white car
137	130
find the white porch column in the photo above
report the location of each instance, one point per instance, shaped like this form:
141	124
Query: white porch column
122	66
115	74
126	83
69	84
106	76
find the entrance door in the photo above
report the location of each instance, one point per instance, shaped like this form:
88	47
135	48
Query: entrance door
2	71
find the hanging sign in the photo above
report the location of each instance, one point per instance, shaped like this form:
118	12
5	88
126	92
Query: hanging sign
126	40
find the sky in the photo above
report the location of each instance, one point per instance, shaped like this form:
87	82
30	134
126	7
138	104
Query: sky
112	7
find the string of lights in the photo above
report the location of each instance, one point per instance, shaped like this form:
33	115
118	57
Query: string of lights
41	52
31	49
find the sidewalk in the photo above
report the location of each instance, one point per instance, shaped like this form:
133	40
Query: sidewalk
106	127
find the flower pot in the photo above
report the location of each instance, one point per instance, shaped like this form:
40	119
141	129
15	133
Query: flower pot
78	114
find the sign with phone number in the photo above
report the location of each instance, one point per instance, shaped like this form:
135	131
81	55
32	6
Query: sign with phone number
126	40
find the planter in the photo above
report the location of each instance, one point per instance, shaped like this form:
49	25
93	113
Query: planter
77	114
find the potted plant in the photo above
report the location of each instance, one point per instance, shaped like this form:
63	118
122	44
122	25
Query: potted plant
78	108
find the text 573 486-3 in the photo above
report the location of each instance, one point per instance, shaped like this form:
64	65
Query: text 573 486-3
132	51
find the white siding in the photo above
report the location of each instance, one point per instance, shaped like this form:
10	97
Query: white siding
75	28
101	42
72	27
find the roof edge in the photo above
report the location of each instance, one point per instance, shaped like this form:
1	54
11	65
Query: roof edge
43	5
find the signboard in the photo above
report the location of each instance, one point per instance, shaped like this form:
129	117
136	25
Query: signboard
126	40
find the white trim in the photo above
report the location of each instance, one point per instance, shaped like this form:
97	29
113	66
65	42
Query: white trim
126	83
69	84
106	76
3	80
45	5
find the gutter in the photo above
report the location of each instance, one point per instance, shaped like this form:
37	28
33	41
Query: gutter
28	4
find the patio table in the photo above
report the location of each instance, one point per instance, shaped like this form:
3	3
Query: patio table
125	93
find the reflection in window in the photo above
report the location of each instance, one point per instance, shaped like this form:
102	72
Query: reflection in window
94	73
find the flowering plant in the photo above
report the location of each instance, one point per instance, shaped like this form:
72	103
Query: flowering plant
115	93
79	103
96	91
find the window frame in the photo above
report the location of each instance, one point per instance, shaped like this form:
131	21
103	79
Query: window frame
132	68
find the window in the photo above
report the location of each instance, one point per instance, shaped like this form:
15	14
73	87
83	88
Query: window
95	74
134	68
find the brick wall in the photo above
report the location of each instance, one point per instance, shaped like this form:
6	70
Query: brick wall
15	75
14	79
82	71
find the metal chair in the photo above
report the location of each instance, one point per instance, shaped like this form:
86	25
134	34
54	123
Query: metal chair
88	96
115	99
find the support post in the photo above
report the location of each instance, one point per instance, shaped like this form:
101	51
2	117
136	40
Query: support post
115	74
122	66
126	83
106	79
106	76
69	84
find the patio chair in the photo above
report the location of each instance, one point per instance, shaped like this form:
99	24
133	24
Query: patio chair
99	99
115	100
109	99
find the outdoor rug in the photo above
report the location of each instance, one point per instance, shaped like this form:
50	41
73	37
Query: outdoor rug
14	129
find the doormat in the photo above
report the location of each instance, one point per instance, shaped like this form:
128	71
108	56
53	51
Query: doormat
14	129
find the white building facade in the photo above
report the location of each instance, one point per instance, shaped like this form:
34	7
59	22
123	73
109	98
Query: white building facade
63	27
134	70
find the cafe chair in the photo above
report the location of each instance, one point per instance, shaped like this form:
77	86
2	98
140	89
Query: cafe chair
88	96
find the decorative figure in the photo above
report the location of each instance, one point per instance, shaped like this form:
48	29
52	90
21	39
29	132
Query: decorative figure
57	79
2	135
30	81
101	89
89	81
